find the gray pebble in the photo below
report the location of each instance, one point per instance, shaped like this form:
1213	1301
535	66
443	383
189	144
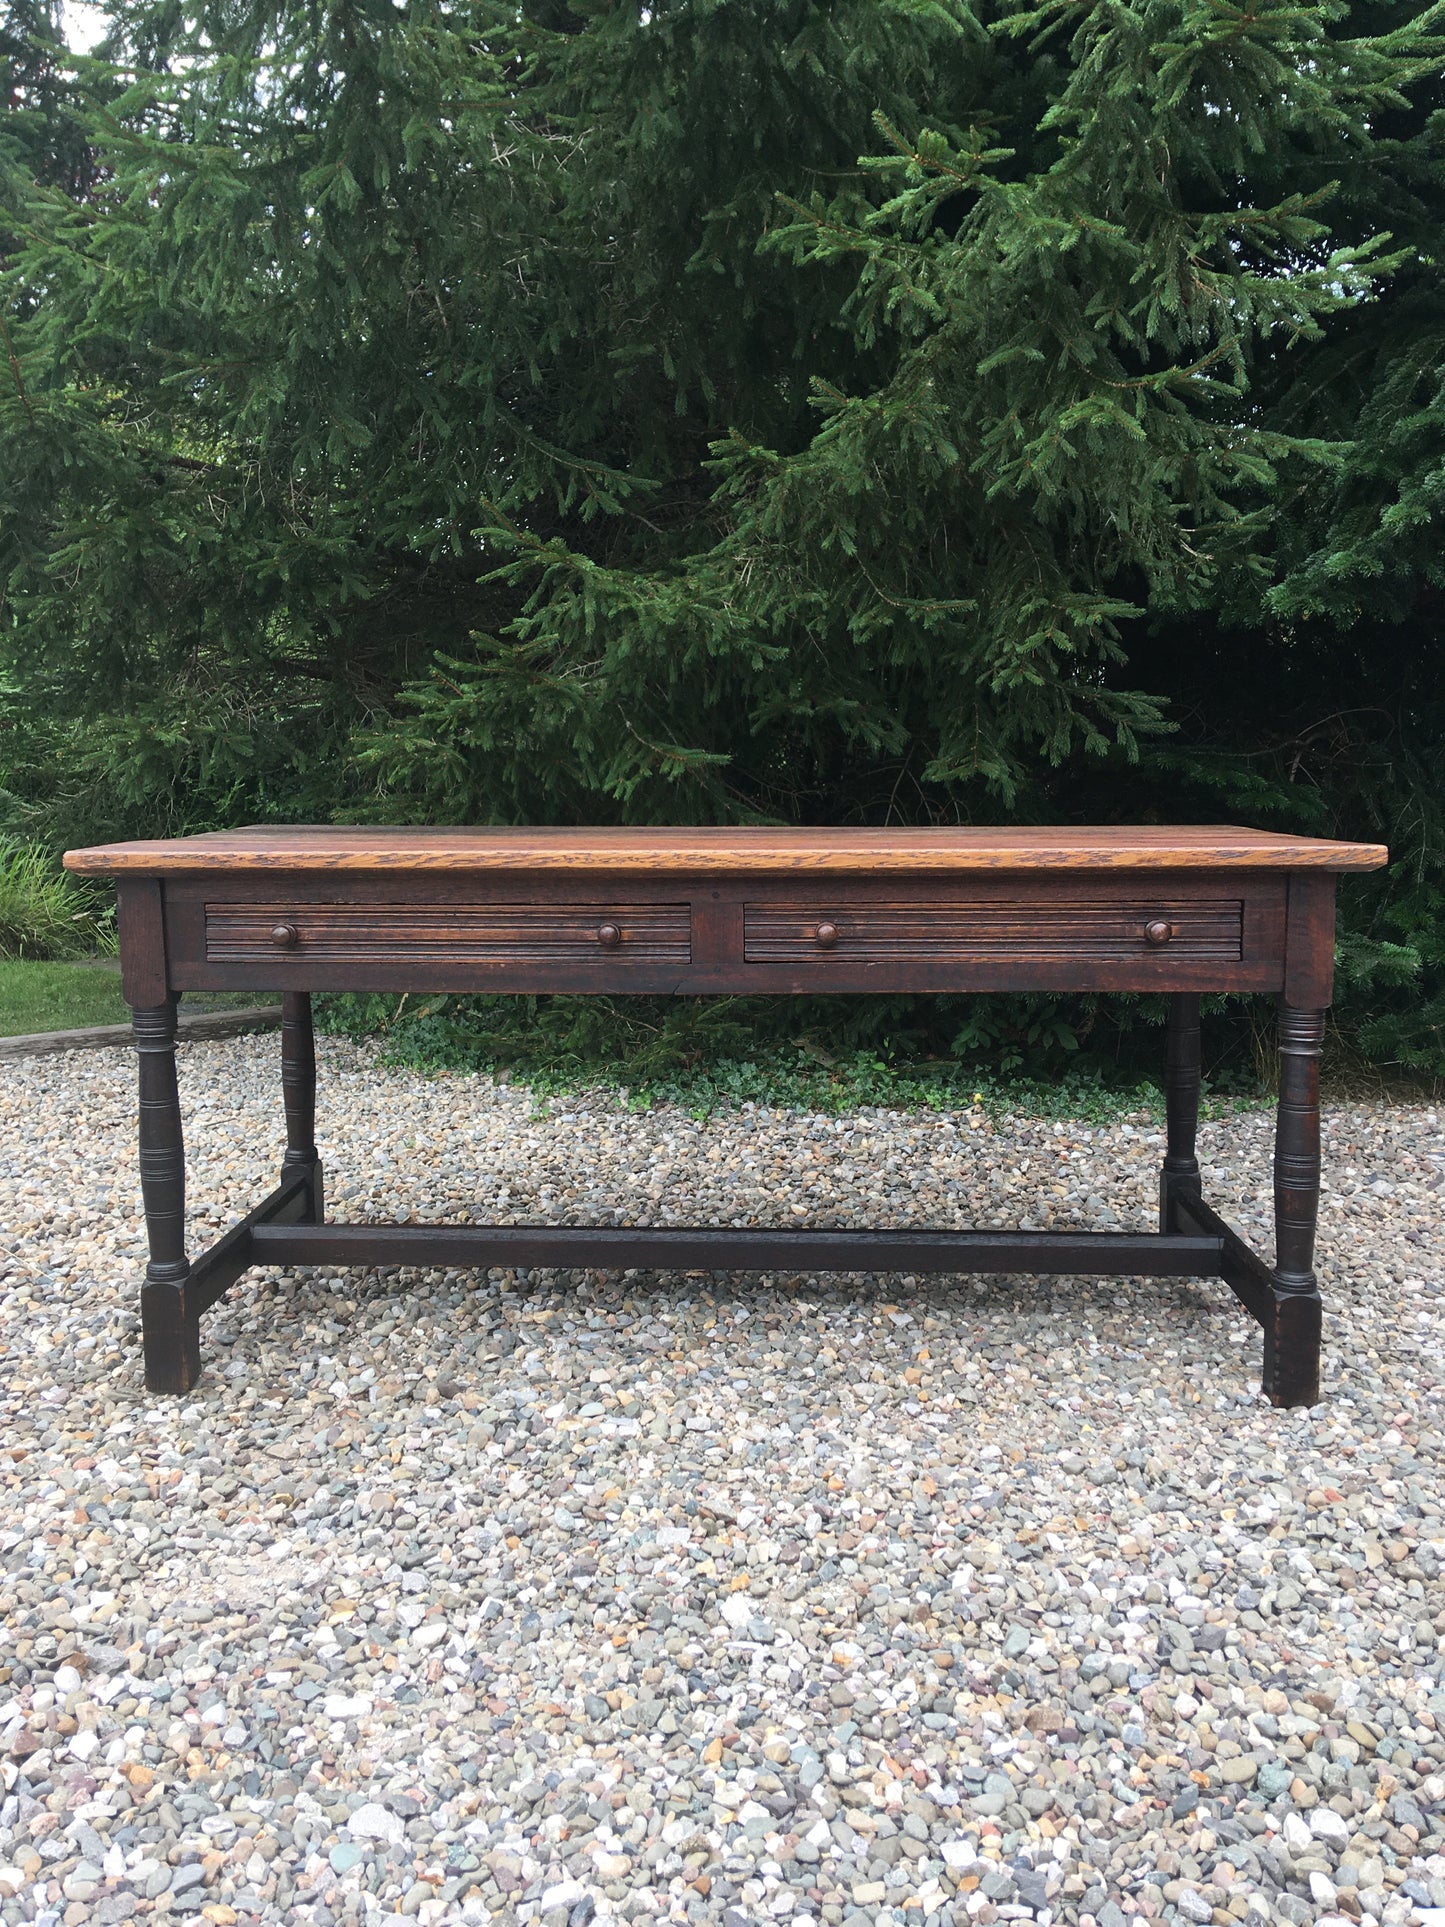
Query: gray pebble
566	1590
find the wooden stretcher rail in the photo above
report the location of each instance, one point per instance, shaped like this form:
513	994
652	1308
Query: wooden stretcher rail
678	1248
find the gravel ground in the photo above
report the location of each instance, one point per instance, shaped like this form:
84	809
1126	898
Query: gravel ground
471	1597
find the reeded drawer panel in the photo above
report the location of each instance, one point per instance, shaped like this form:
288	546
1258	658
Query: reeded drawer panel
610	934
1055	928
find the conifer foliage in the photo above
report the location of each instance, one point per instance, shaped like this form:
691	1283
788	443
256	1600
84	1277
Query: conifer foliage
729	409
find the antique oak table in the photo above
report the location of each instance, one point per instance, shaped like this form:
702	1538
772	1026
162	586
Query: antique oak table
1178	911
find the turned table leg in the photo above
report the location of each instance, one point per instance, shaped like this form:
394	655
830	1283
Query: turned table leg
298	1095
1179	1176
170	1328
1292	1338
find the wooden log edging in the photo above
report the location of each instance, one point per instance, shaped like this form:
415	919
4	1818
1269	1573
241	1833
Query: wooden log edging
200	1027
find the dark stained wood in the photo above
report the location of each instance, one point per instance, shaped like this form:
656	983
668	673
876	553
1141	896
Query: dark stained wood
1247	1275
216	1270
610	978
1180	1174
169	1319
597	933
1309	964
747	851
675	1247
298	1096
829	929
1297	1146
394	933
717	929
1291	1319
140	926
1291	1374
1172	911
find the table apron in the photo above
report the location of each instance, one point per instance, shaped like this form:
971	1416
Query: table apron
769	936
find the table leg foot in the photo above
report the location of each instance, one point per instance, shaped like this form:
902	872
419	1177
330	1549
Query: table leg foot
310	1169
1292	1349
171	1333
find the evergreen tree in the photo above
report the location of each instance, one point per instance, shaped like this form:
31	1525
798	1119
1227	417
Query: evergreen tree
39	137
716	410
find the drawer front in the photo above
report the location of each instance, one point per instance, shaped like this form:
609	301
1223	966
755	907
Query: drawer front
1052	929
612	936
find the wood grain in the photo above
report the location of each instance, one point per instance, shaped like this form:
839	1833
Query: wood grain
1309	951
140	925
1130	1254
430	931
416	934
311	847
1061	928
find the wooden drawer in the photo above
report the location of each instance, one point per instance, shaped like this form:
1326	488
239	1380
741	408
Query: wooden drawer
829	931
611	936
716	935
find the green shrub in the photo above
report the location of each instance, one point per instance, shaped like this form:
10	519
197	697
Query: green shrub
45	913
825	1054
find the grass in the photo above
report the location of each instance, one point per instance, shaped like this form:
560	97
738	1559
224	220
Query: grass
71	996
57	996
45	913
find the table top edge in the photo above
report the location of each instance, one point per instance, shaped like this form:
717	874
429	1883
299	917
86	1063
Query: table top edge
319	848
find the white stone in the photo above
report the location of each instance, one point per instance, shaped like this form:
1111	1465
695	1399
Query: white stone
337	1706
957	1854
376	1822
67	1680
1326	1824
612	1866
566	1893
1297	1835
84	1744
1322	1889
737	1609
430	1634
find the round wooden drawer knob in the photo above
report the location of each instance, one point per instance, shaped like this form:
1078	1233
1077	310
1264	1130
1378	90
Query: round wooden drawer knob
609	936
1158	932
285	936
826	935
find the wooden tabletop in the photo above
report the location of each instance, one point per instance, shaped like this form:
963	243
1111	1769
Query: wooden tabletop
272	847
